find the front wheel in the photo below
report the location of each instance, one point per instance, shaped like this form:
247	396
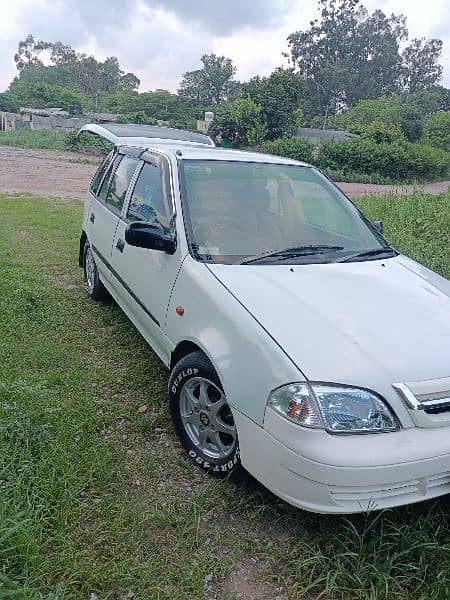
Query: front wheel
202	417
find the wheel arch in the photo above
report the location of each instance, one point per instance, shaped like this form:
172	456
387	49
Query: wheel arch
184	348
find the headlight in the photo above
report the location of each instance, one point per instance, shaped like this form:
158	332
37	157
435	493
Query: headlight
336	408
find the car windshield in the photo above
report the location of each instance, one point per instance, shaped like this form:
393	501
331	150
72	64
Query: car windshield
237	212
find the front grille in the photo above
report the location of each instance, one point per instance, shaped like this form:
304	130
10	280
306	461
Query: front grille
437	410
372	497
427	401
434	404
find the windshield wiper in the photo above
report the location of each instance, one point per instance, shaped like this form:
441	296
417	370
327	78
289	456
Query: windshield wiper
291	252
363	253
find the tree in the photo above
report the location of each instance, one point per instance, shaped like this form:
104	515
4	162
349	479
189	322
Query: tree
7	103
365	112
405	112
212	83
28	52
421	70
436	130
129	82
240	122
349	54
280	96
83	74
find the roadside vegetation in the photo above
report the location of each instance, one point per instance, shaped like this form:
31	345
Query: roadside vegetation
97	498
86	143
390	97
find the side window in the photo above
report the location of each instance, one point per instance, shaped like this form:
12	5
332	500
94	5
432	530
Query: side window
147	201
99	174
120	181
103	191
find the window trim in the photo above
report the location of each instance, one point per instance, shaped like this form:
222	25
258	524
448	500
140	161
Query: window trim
110	207
106	161
162	163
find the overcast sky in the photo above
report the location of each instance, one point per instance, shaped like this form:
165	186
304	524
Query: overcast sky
159	40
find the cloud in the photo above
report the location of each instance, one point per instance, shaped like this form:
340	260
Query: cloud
161	39
225	16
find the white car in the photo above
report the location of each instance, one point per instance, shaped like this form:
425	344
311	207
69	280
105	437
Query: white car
301	345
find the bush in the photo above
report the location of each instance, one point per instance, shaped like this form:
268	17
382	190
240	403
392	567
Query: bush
291	147
380	132
86	141
138	117
436	130
400	161
52	140
239	122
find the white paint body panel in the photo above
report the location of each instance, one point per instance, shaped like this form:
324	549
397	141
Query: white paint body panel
368	324
248	362
344	474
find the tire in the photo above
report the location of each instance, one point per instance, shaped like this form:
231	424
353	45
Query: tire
202	418
92	283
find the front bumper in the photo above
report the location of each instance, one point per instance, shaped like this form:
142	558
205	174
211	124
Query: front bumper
325	473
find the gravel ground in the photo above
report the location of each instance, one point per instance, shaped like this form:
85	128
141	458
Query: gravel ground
63	175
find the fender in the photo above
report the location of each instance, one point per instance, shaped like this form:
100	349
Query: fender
248	361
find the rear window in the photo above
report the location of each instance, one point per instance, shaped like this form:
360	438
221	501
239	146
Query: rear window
103	191
96	180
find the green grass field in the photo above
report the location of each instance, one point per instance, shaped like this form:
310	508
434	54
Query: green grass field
97	500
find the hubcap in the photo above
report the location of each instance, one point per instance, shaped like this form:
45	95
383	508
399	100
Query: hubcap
207	418
90	270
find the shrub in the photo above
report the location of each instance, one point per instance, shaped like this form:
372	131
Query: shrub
436	130
380	132
291	147
399	160
240	122
138	117
52	140
86	142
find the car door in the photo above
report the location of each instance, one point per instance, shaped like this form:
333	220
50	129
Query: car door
147	276
106	208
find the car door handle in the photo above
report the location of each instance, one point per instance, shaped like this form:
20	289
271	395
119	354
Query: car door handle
92	218
120	245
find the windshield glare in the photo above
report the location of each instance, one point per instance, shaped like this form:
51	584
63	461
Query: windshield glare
235	210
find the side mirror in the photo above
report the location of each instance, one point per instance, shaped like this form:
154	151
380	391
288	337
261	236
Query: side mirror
149	235
378	226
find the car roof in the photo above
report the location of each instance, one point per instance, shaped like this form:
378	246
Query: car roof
141	135
184	144
197	152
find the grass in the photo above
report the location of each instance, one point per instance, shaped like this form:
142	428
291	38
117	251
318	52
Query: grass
417	225
52	140
27	138
98	498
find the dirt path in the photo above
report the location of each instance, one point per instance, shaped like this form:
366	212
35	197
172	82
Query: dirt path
44	172
63	175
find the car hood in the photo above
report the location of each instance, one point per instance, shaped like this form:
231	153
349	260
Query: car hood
351	322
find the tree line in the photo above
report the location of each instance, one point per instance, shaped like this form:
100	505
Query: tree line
347	57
